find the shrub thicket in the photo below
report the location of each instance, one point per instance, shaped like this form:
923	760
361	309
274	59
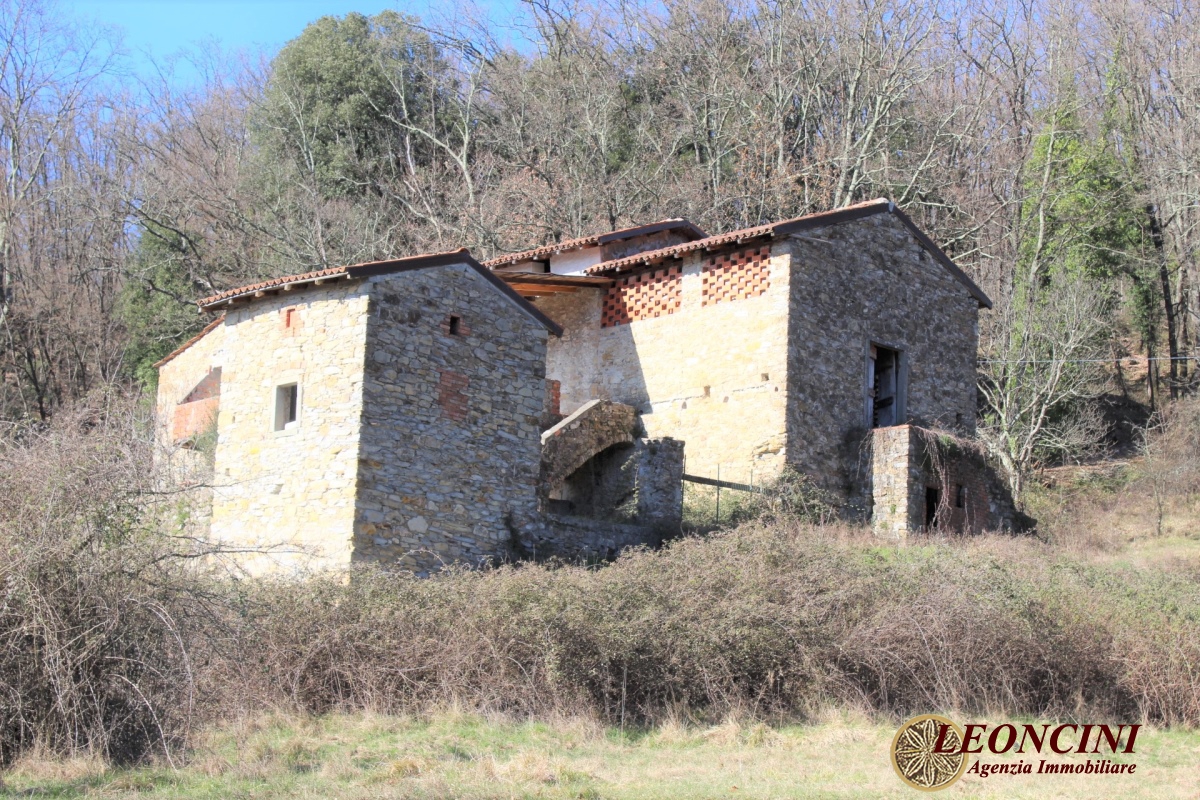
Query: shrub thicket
100	606
766	620
113	638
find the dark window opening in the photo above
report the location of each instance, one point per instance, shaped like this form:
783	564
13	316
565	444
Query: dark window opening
455	325
932	498
960	496
883	387
287	406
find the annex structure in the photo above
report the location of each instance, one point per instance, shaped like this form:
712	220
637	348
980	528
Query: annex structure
434	409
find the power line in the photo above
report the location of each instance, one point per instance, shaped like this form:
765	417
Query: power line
1132	361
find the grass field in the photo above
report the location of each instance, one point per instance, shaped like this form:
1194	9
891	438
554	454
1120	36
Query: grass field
463	756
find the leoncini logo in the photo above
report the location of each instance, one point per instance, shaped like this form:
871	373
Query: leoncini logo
931	752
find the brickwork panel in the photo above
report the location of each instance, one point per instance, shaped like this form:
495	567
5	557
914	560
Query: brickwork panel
646	295
194	418
736	276
452	395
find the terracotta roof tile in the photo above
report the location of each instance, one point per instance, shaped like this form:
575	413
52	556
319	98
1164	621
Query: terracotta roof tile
305	277
733	237
371	268
796	225
637	259
545	251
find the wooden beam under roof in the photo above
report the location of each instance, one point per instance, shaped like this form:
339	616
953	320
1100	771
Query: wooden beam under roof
541	288
547	280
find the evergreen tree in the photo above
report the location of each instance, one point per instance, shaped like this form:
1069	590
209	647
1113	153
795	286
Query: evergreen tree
157	303
344	99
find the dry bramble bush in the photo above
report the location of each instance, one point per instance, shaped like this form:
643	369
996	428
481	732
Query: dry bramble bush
99	607
116	638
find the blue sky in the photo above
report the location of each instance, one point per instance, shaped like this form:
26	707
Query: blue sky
159	29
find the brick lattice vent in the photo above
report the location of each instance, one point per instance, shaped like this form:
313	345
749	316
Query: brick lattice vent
654	293
737	276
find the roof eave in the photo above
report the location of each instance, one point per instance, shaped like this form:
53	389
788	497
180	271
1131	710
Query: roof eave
221	302
389	267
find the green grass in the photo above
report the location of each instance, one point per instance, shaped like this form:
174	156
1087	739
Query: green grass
464	756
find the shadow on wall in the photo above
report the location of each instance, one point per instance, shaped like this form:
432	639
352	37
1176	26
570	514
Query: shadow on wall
591	360
605	487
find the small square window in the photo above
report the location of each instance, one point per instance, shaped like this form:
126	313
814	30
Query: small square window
455	325
960	497
287	406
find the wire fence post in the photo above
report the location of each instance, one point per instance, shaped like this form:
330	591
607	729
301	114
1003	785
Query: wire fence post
718	494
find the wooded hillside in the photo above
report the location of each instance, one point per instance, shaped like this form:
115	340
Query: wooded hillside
1050	147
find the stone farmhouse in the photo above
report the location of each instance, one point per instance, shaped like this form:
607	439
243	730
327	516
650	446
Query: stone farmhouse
433	409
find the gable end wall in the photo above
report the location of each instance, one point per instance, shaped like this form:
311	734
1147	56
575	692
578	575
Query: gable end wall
450	442
869	281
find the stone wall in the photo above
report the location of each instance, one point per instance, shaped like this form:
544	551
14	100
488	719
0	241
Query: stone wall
923	481
595	474
895	490
185	427
660	485
711	375
854	285
637	482
291	492
593	427
451	441
577	538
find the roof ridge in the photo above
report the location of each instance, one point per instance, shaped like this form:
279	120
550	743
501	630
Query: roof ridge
532	254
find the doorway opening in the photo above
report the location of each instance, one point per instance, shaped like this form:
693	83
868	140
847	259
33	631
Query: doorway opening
932	498
884	399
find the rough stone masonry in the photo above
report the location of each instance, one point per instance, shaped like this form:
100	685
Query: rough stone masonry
405	411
